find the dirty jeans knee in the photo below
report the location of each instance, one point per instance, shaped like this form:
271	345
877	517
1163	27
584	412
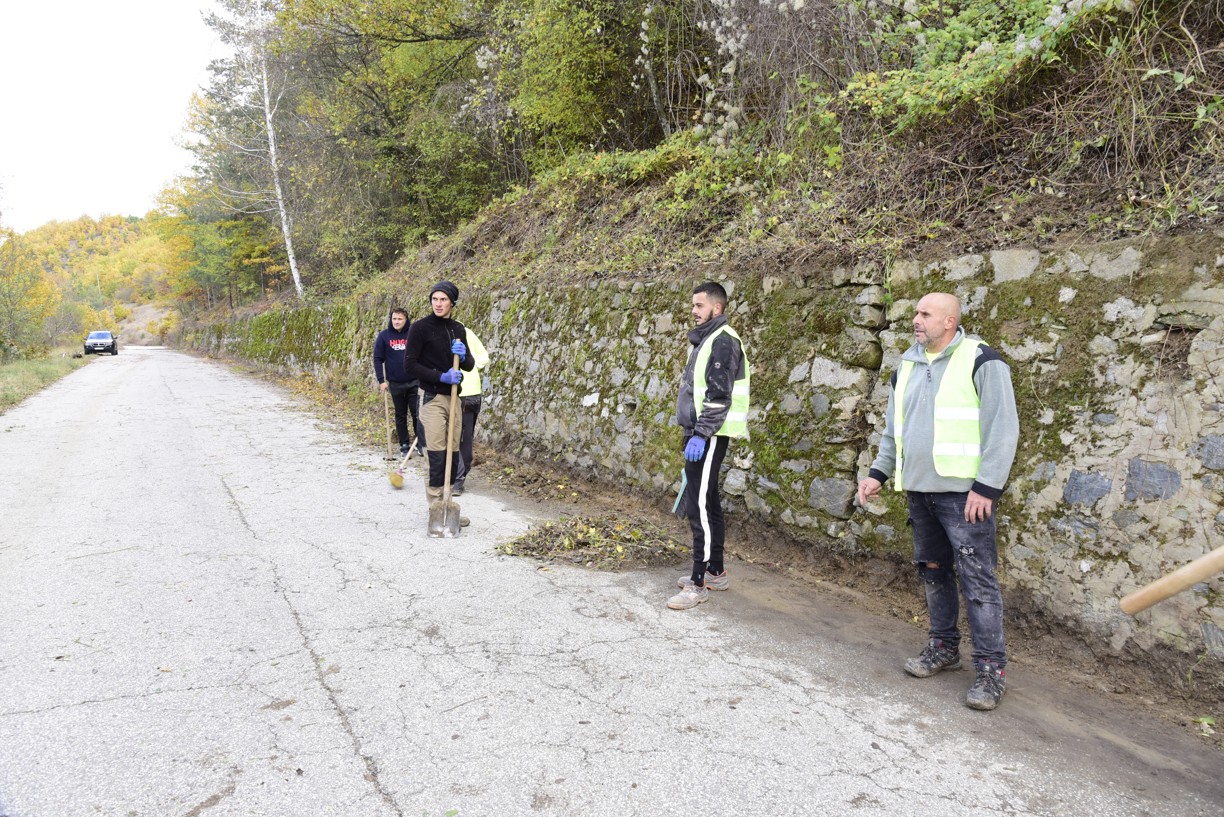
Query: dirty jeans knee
931	546
975	566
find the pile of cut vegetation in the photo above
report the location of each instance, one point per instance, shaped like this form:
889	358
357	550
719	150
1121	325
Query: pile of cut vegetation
610	542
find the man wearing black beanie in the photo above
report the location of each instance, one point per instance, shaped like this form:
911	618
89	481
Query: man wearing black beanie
432	341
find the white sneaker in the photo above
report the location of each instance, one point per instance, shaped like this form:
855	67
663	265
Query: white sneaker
689	596
713	581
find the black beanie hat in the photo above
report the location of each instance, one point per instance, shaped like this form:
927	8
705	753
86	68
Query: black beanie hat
447	288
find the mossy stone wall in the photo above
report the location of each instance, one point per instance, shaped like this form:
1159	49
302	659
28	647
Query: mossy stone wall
1116	350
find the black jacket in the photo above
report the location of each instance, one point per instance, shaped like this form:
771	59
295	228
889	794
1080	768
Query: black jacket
390	351
724	367
429	351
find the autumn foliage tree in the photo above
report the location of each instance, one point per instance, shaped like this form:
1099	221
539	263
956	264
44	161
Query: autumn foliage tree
27	298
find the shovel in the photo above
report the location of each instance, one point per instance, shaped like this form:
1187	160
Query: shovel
444	512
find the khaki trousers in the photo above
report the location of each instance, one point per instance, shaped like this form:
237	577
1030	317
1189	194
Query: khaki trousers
434	415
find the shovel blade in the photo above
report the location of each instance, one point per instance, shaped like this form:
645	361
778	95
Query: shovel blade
443	519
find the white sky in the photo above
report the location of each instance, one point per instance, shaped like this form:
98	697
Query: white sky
93	100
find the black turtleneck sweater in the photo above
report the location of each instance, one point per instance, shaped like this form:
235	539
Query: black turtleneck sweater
429	354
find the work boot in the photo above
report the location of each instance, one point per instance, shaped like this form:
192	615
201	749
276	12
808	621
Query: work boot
936	657
988	687
689	596
713	581
464	521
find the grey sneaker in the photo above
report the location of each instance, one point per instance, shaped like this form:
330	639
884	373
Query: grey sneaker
689	596
988	687
713	581
936	657
457	488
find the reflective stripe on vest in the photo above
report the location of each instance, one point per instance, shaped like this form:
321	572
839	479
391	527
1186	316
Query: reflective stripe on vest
736	422
957	450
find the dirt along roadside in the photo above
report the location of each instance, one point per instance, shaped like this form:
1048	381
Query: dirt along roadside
1183	692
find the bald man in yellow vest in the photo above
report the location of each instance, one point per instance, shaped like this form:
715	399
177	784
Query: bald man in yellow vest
949	440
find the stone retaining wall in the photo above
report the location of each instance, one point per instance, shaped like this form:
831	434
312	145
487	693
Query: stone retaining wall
1117	352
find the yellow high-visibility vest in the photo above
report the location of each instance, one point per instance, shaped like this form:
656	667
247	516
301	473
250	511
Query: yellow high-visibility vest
736	422
958	435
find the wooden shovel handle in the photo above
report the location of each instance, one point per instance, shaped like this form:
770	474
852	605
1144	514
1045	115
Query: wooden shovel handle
1201	569
450	430
387	416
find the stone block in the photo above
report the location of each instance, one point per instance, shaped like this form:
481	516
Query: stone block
1210	451
756	504
736	482
820	405
866	273
872	296
868	316
967	266
829	374
904	271
1014	265
1086	488
1110	268
833	496
1150	480
791	404
1213	638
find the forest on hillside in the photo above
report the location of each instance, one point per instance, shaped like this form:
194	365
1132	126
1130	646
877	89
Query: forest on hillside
342	137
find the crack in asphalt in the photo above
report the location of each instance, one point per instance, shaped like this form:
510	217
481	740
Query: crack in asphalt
116	698
373	774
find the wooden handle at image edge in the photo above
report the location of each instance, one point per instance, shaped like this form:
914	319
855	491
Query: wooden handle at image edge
1201	569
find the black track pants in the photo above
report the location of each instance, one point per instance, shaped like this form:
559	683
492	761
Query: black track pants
704	505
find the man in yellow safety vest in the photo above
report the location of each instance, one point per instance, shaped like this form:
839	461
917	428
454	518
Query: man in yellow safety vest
949	439
712	408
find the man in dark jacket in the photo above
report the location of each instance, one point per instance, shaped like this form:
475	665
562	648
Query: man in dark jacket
432	341
712	409
390	351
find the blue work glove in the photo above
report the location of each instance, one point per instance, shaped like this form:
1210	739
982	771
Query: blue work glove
451	376
695	449
457	348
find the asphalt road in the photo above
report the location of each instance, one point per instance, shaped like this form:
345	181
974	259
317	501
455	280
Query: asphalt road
212	603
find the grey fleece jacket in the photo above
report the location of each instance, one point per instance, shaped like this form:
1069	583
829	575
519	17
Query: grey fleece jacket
724	367
999	423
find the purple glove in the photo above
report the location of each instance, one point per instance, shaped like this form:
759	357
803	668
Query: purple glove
451	376
695	449
457	348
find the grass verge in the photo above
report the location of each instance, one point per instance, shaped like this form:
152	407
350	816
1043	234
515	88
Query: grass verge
21	378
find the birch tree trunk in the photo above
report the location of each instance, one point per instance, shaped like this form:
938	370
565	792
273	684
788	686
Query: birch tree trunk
286	229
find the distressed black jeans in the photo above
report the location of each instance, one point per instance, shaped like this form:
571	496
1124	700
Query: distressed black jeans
966	553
